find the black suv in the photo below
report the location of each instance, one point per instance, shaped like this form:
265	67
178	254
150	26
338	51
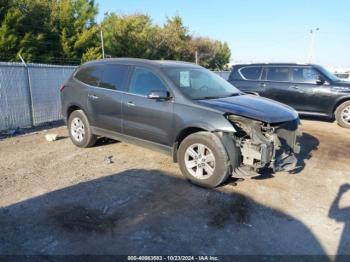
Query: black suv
211	128
310	89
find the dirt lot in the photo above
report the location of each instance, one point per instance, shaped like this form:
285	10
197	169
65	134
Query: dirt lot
56	198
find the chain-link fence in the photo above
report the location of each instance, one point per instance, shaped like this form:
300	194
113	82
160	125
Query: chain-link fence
14	96
29	94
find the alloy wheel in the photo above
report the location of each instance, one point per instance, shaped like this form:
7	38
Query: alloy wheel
77	129
200	161
345	115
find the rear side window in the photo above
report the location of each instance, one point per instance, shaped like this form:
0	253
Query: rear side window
143	82
114	77
304	75
90	75
251	72
277	74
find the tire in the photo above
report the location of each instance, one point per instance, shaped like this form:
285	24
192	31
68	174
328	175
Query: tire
191	146
342	114
79	130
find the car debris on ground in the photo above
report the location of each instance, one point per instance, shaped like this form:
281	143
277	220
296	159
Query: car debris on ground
51	137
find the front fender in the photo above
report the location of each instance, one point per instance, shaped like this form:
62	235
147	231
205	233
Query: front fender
219	123
216	125
200	117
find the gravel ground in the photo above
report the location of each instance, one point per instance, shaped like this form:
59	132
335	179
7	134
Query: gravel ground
117	198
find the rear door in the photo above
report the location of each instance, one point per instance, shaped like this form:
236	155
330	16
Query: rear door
144	118
89	77
247	79
105	99
278	85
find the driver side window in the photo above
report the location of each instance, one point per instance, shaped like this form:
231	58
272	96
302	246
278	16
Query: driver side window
304	75
143	82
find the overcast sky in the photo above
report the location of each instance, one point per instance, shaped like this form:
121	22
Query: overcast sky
258	30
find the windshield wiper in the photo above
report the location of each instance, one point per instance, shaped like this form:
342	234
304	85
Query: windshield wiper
207	97
235	94
218	97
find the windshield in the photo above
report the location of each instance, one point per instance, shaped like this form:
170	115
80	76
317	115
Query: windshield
328	74
200	83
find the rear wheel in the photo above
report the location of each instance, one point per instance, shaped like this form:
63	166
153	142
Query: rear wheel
342	114
79	129
203	159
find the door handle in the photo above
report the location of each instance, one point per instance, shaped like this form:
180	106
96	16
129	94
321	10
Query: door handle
296	87
130	103
94	97
262	84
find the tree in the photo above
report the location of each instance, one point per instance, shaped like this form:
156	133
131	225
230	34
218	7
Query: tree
175	41
48	31
136	36
4	7
73	21
221	57
212	54
65	32
24	29
129	35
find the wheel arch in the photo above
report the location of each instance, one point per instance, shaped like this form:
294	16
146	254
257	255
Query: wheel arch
185	132
339	117
191	129
73	107
338	103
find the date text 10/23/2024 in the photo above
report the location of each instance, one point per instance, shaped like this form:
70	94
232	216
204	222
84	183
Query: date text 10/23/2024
173	258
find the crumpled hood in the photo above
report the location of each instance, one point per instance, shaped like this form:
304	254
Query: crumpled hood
254	107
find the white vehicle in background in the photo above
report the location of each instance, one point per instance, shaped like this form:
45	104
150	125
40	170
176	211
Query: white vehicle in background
343	76
342	73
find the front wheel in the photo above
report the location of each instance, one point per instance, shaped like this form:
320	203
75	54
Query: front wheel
342	114
203	159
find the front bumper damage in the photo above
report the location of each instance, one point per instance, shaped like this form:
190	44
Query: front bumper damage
265	145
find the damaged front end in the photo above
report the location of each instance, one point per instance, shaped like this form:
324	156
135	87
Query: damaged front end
265	145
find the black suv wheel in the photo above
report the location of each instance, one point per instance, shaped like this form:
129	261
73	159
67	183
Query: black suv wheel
203	159
342	114
79	129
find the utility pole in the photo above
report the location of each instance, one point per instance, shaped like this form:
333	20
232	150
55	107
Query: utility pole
312	44
102	44
196	57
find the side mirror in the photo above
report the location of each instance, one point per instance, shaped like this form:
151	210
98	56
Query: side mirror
161	95
320	81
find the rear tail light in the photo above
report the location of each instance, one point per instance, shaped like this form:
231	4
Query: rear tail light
62	87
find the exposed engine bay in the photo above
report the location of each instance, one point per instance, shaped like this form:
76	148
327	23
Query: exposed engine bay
264	145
